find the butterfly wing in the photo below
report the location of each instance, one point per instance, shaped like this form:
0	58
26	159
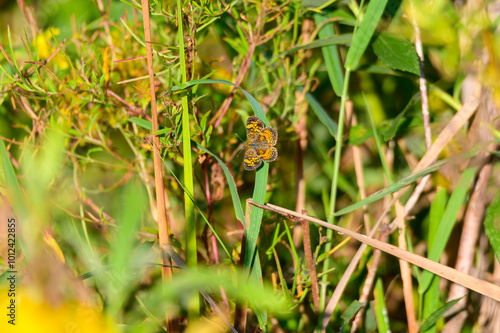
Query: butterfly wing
254	127
267	154
252	161
268	136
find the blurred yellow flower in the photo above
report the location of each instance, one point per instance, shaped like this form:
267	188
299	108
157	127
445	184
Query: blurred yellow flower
31	316
45	49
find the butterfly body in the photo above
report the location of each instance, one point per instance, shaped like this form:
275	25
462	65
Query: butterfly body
260	146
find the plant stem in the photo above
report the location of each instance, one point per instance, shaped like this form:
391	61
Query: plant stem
191	249
333	194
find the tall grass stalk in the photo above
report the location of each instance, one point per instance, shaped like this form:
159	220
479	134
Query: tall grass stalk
190	227
333	193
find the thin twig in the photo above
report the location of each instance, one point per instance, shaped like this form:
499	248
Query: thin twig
163	234
480	286
311	266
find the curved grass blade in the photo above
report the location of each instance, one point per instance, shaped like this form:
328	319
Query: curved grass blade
251	262
447	223
434	317
331	53
10	177
492	225
322	115
257	109
238	210
381	314
365	32
344	39
391	188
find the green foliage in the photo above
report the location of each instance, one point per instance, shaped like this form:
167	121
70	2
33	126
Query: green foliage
396	53
435	316
492	225
77	161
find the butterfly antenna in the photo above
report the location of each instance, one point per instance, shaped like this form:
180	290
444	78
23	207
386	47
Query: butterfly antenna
239	137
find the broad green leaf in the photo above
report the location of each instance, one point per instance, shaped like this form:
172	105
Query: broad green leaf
492	225
364	33
396	53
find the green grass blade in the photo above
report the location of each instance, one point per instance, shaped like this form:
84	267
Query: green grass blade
365	32
351	311
189	212
431	296
492	225
434	317
130	208
13	187
257	109
322	115
381	308
391	188
238	210
331	53
251	261
326	42
393	127
387	172
447	223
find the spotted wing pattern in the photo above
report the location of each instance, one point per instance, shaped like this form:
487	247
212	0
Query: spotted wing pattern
260	144
254	127
268	136
252	161
267	154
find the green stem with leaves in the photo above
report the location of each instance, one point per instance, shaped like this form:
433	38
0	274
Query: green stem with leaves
191	249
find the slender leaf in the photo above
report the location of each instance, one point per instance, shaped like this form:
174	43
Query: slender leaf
391	188
238	210
327	42
322	115
141	122
431	296
351	311
381	308
316	4
365	32
492	225
10	178
331	54
434	317
257	109
251	262
447	223
393	127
